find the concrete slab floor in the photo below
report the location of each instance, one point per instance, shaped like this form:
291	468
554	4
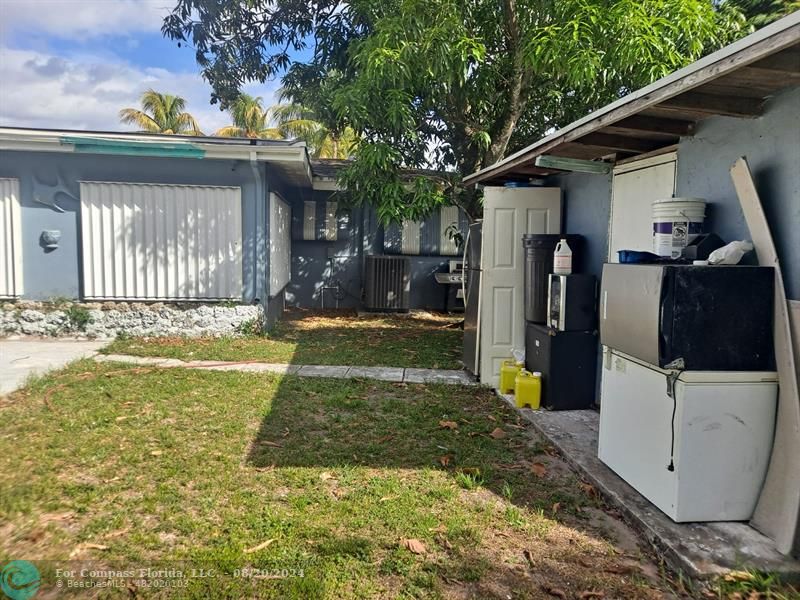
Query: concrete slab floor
19	359
698	550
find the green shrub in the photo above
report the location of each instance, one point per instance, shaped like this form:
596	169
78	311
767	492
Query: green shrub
251	327
78	317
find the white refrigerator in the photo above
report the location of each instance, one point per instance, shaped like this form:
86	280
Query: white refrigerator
694	443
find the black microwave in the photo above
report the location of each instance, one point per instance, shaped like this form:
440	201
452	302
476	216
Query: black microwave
572	302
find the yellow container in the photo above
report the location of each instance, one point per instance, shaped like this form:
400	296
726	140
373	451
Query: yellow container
508	373
529	389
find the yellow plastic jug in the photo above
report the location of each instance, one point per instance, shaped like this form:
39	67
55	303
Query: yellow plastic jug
508	373
529	389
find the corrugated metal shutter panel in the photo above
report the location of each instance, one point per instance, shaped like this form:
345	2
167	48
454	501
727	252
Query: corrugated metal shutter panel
280	244
411	237
309	220
10	239
331	224
161	242
448	216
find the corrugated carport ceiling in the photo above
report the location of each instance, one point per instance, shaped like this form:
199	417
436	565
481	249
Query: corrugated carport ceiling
741	93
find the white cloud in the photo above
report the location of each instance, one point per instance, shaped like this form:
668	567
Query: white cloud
39	89
83	19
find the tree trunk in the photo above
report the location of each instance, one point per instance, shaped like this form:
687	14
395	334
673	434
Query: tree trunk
515	102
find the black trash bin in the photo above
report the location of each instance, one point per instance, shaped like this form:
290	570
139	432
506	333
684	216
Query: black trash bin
539	249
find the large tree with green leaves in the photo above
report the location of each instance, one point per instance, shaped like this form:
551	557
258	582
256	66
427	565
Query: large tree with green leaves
763	12
161	113
452	85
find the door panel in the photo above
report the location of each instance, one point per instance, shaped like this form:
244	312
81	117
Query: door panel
509	213
631	204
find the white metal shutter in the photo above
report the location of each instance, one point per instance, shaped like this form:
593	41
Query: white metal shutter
10	240
331	229
449	217
280	244
410	237
161	242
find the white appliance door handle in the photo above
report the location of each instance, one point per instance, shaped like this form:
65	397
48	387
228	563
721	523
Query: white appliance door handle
465	267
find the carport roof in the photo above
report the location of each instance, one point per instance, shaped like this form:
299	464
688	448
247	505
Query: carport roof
735	81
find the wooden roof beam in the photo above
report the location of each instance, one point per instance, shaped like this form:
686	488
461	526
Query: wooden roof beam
617	142
730	106
647	124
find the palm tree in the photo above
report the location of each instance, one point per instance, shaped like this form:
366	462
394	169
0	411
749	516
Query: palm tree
161	113
250	120
297	122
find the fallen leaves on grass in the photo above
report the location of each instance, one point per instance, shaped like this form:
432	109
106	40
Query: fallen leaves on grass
452	425
470	471
414	545
529	557
86	546
554	591
539	469
588	489
271	444
156	453
498	433
261	546
589	595
618	569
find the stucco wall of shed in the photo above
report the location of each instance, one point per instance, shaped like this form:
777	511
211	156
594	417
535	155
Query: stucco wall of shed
58	273
586	208
771	144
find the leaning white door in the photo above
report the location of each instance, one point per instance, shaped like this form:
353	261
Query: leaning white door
161	242
635	186
508	214
10	240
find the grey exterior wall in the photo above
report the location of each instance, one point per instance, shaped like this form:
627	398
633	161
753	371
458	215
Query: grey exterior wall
319	264
57	273
586	205
771	144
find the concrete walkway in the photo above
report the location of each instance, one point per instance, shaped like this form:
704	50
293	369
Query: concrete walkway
699	550
19	359
395	374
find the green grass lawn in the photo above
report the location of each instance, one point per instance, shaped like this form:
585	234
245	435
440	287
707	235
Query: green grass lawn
343	488
418	340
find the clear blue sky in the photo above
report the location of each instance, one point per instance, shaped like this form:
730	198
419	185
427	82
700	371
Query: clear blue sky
75	63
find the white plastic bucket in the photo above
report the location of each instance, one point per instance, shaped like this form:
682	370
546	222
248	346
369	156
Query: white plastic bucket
676	222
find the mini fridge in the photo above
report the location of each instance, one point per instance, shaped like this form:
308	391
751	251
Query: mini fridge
567	361
694	443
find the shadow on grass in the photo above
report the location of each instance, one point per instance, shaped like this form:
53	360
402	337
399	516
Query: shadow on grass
464	431
413	434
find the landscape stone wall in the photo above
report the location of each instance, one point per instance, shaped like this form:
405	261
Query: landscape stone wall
110	319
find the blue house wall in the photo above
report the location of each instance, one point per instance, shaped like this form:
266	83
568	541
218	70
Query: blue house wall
330	273
58	273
